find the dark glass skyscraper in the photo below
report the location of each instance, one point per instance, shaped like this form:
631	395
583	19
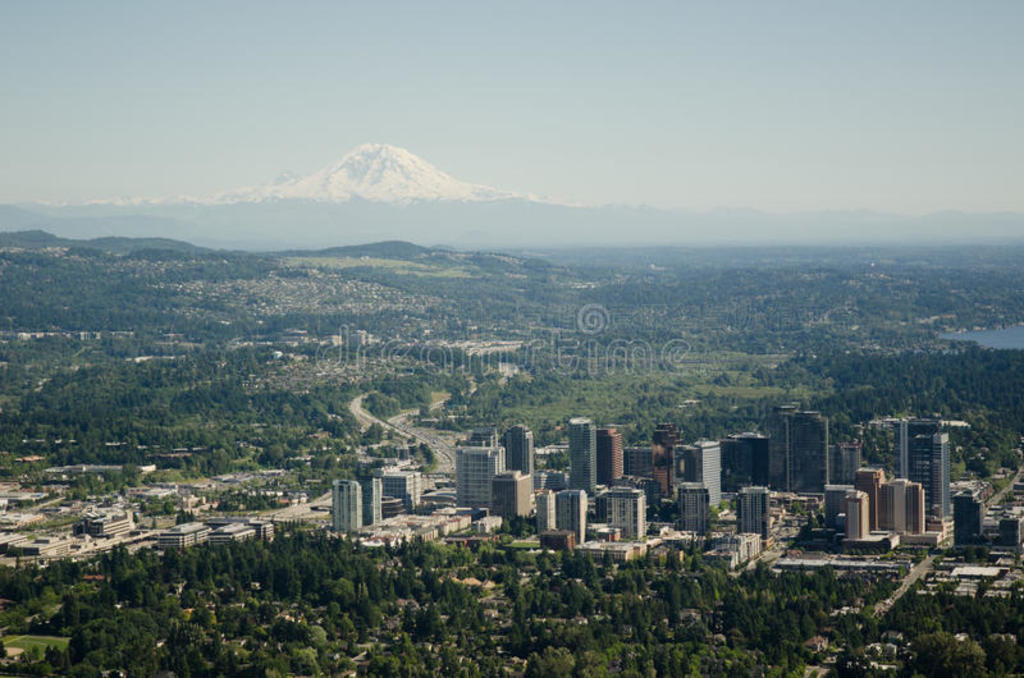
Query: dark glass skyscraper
666	437
778	427
798	449
968	514
609	455
518	444
745	460
905	430
636	461
928	462
844	462
808	452
582	454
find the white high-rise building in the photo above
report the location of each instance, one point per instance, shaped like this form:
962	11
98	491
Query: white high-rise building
546	515
627	510
372	496
702	463
753	511
694	508
571	512
346	506
858	514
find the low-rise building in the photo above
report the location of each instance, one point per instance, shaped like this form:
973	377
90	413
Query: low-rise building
618	551
233	532
183	536
263	529
101	525
558	540
46	547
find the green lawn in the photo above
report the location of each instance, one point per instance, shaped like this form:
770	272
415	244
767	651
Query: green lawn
42	642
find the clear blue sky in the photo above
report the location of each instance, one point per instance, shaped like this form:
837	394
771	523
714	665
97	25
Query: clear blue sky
898	106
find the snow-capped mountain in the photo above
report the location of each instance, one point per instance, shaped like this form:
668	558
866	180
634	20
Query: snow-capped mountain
374	172
378	173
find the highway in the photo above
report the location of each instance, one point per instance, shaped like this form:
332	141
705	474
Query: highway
300	511
444	450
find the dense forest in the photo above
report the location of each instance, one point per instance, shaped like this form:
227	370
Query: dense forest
306	603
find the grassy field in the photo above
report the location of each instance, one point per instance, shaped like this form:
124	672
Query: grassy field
42	642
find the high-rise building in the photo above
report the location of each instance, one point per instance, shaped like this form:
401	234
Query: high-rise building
1011	531
892	505
483	437
778	428
928	464
571	513
373	493
510	494
550	480
917	514
844	463
694	507
703	464
666	437
679	454
582	454
546	514
808	452
402	484
753	511
474	469
745	461
798	449
857	518
968	514
835	503
627	510
609	455
869	481
636	462
346	506
904	431
901	507
518	443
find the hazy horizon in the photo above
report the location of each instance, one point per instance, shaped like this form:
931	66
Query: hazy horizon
800	107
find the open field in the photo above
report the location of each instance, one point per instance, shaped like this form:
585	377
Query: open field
23	643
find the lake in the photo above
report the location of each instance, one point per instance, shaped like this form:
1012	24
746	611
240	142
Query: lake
1011	337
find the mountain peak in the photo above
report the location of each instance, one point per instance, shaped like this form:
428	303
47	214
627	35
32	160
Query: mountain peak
374	172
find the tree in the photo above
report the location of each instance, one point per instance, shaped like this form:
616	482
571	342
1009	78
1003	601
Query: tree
941	655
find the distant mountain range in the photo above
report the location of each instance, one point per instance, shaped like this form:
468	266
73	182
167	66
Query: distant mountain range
33	240
380	192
